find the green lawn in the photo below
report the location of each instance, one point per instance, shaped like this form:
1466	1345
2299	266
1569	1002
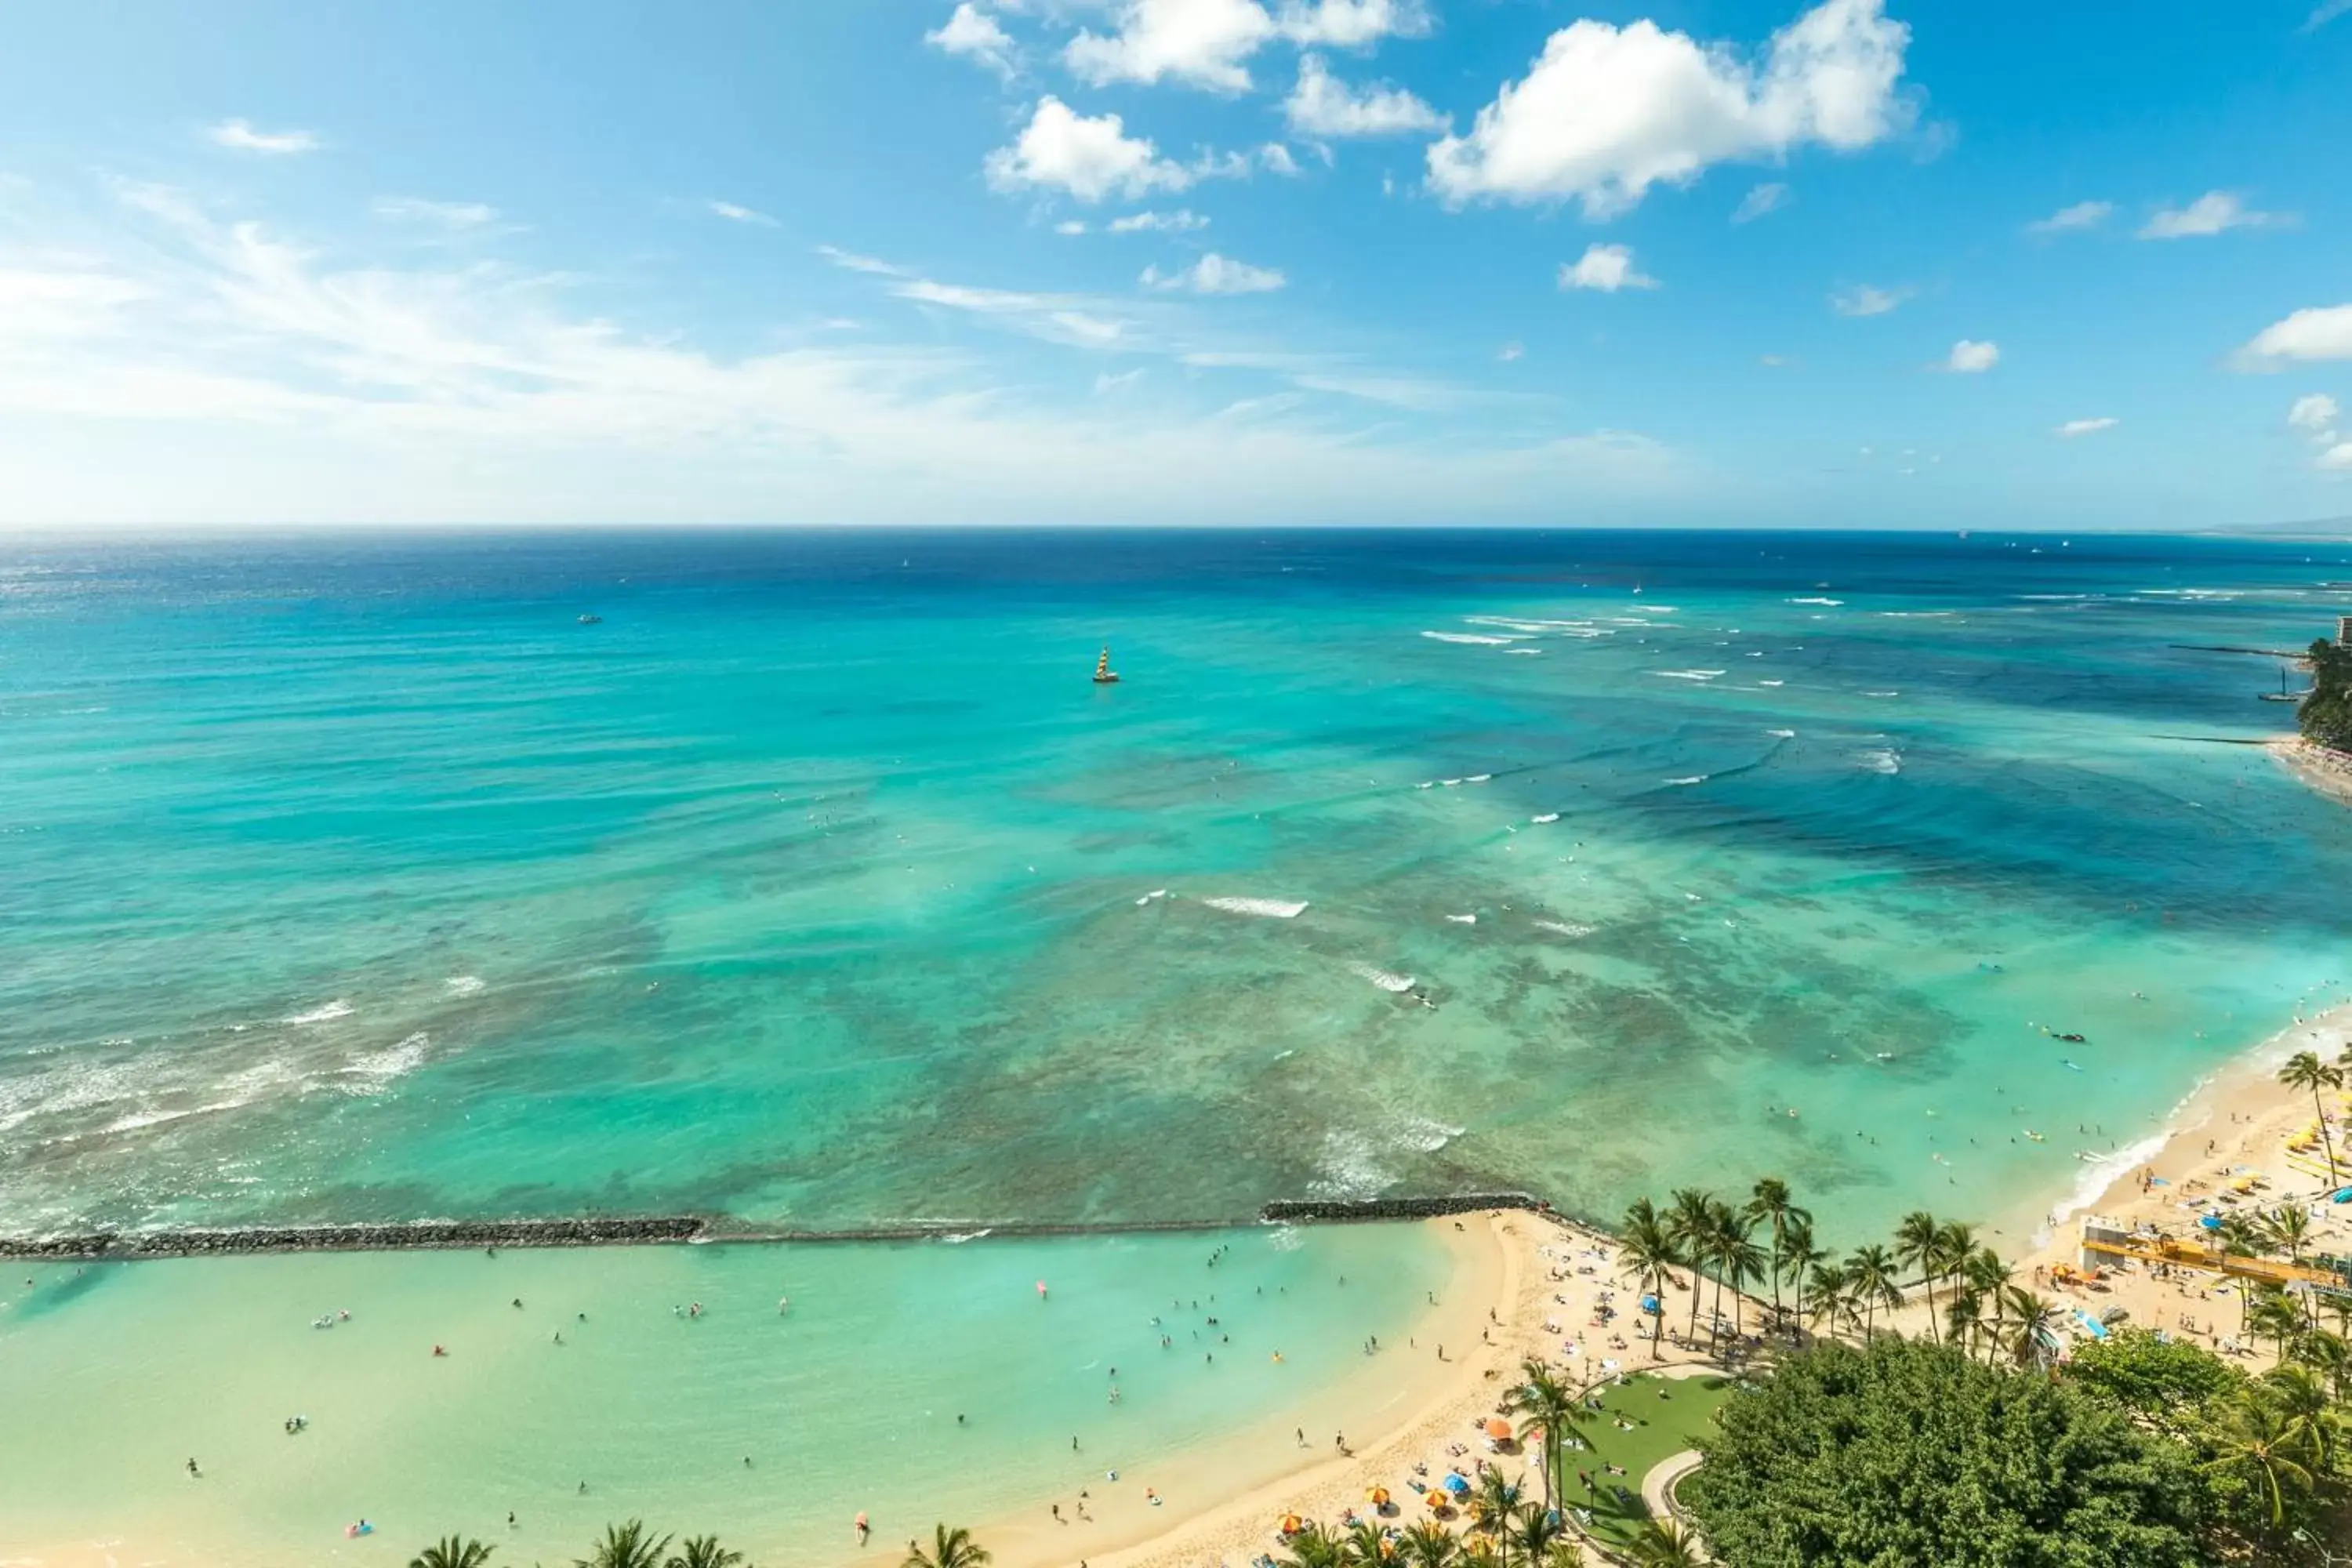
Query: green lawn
1661	1426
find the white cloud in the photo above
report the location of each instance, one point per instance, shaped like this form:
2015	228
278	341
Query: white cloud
241	135
1861	300
732	213
1512	352
2327	11
1183	220
2212	212
1761	199
1070	225
2314	412
1277	159
2317	333
1606	112
853	262
1090	157
2073	427
1607	268
1214	274
2336	459
1971	358
2068	220
186	371
445	215
1352	24
976	36
1108	383
1203	43
1323	105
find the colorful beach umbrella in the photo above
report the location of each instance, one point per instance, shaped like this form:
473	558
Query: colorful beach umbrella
1457	1485
1499	1430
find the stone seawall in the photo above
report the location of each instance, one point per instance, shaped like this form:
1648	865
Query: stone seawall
670	1229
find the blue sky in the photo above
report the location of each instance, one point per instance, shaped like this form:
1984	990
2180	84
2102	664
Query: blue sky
1711	262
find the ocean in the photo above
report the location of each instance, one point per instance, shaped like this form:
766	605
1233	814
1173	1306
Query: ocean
813	883
817	884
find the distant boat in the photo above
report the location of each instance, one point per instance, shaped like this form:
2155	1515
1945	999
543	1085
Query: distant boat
592	620
1104	674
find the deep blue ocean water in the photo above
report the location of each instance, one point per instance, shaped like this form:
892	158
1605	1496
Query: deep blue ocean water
356	878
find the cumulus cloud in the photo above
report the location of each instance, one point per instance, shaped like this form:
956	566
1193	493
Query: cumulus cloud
2318	333
2070	220
1214	274
441	215
241	135
2212	212
974	34
1971	358
1861	300
1070	225
2336	459
1607	268
2314	412
1760	200
2073	427
1353	24
1277	158
1202	43
1088	156
1510	352
1183	220
1605	112
1323	105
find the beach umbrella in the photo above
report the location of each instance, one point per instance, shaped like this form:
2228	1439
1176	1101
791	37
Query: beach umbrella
1457	1484
1290	1524
1379	1497
1499	1430
1434	1498
2209	1220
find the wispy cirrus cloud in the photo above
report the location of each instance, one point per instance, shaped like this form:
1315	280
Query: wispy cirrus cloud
456	216
735	213
241	135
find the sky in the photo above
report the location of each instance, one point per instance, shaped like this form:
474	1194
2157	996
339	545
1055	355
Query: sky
1718	263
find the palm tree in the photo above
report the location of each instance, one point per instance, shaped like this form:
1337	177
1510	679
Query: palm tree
704	1552
2032	1324
2288	1228
1549	1406
2239	1239
1690	1226
1769	1204
1738	1261
949	1549
2305	1070
453	1551
1534	1530
2305	1401
629	1545
1311	1547
2257	1436
1916	1245
1366	1545
1964	1316
1986	1276
1496	1498
1955	1243
1798	1257
1829	1294
1871	1275
2276	1318
1430	1544
1668	1543
1645	1248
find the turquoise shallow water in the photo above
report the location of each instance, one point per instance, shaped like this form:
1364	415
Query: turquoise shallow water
113	1377
357	878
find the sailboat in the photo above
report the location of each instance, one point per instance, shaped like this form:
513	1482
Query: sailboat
1104	674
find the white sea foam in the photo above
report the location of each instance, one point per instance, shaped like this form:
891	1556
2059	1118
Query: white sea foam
1354	1161
1273	908
464	985
1547	816
381	1067
1531	652
1772	683
1881	694
1477	638
2096	1177
1686	674
1565	927
1694	779
1880	760
1817	601
1477	778
1653	609
1463	920
1381	977
1783	734
338	1008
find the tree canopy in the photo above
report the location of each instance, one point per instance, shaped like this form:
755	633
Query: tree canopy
1905	1452
2326	713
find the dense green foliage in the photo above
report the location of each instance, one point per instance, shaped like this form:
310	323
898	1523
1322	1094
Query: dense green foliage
1904	1452
2326	713
2165	1385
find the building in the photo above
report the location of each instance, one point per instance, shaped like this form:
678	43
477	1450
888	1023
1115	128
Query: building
2342	630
